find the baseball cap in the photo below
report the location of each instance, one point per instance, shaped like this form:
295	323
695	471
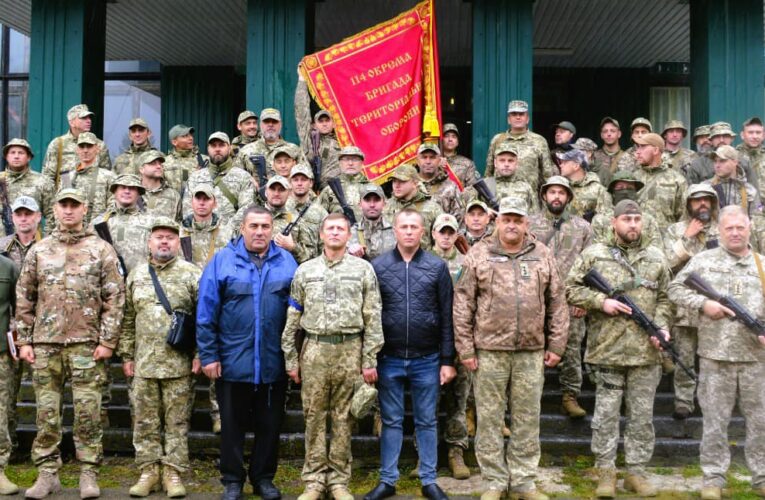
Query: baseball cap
477	203
566	125
163	222
129	180
138	122
700	191
518	107
674	124
291	150
626	207
363	400
351	151
406	172
270	114
25	202
70	194
505	147
585	144
301	169
613	121
18	142
278	179
450	127
641	121
320	113
221	136
203	187
87	138
652	139
429	146
726	152
371	188
151	155
79	111
445	220
246	115
753	121
513	205
179	131
573	154
701	130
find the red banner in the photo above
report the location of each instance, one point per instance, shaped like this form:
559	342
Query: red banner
381	87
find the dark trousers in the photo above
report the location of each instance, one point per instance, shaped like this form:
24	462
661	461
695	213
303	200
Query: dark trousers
245	407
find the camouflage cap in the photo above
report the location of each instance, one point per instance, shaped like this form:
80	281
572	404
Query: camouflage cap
624	176
627	207
151	155
179	131
278	179
566	125
505	147
573	154
371	188
320	113
203	187
753	121
450	127
640	121
651	139
219	136
25	202
301	169
351	151
363	400
557	180
138	122
700	191
246	115
87	138
721	128
270	114
613	121
512	205
701	130
445	220
70	194
79	111
477	203
20	143
518	107
585	144
291	150
163	222
405	172
127	180
726	152
429	146
674	124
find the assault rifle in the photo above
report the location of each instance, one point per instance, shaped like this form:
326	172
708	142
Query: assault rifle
259	161
484	192
337	189
186	249
102	230
7	217
316	160
288	229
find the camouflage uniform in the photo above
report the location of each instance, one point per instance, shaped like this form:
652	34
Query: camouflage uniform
94	183
590	196
129	161
501	322
731	362
680	159
305	236
163	201
472	240
605	164
32	184
627	364
179	166
377	236
351	189
446	193
663	195
504	186
755	158
313	216
65	148
129	228
9	273
329	148
234	190
260	147
79	307
733	191
333	302
423	204
240	141
534	162
163	383
602	230
628	161
464	168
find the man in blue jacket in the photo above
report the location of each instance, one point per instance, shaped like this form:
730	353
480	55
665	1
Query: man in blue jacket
240	316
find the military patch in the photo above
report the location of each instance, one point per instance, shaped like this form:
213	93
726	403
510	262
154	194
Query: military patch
525	270
498	258
737	288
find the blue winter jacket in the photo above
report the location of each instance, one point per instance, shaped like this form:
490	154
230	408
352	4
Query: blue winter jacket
242	311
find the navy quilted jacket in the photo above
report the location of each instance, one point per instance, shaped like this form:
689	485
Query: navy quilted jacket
416	305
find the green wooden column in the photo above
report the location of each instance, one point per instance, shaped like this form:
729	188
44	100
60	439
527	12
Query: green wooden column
503	57
727	65
66	66
276	42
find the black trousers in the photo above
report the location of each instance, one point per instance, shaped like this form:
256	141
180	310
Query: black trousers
245	407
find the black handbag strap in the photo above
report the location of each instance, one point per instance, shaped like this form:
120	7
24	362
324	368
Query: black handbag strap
159	291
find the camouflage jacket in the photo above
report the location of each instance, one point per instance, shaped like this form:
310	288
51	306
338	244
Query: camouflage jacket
234	190
509	302
305	235
179	165
240	141
446	193
566	236
605	164
9	274
315	214
70	291
728	274
146	323
329	148
680	159
628	161
11	247
335	298
472	240
617	340
464	168
703	168
129	228
127	162
32	184
753	159
376	236
453	259
421	202
61	156
663	195
261	147
206	238
590	196
352	191
507	185
163	201
534	163
602	231
734	191
94	183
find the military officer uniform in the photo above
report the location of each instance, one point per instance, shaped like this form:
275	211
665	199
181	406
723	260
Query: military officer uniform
130	161
462	166
420	201
179	164
376	236
329	148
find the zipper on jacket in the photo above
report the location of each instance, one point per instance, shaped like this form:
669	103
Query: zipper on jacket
406	348
517	304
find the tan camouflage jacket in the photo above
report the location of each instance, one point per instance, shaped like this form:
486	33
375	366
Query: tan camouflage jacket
32	184
377	236
605	164
446	193
421	202
179	166
146	323
352	191
127	162
502	302
260	147
464	168
566	236
11	247
206	238
507	185
240	141
65	148
315	214
534	163
305	235
681	159
94	183
589	196
753	156
234	190
70	291
628	161
329	148
163	201
602	231
335	298
130	230
663	195
618	340
724	339
453	259
734	192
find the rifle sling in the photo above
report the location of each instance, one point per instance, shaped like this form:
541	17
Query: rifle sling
637	280
760	271
211	246
218	182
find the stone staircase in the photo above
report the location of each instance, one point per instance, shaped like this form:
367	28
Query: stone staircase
676	443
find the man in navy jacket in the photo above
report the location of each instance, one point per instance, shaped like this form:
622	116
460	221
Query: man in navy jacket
240	316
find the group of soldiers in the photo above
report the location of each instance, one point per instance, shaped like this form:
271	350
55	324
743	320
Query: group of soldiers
519	243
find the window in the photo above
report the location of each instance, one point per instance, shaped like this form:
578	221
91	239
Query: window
671	103
14	83
125	100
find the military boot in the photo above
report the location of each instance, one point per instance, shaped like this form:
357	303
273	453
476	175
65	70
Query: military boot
6	486
492	494
216	425
89	485
528	495
311	494
571	406
470	420
171	482
606	483
639	485
341	493
457	463
47	483
148	483
377	425
712	493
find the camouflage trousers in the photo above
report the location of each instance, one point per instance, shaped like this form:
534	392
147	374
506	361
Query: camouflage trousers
54	364
328	373
456	397
685	340
637	386
523	372
570	368
7	383
158	400
721	385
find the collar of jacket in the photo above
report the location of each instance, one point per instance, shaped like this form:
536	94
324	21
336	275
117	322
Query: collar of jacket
162	186
185	154
641	244
451	254
16	175
529	244
517	137
220	170
440	177
331	263
354	178
565	216
139	149
241	251
160	266
416	257
189	223
71	236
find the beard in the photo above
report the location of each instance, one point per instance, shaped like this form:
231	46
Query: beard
555	209
702	214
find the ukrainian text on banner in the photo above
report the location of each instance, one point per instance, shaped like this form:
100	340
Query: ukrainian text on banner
381	88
